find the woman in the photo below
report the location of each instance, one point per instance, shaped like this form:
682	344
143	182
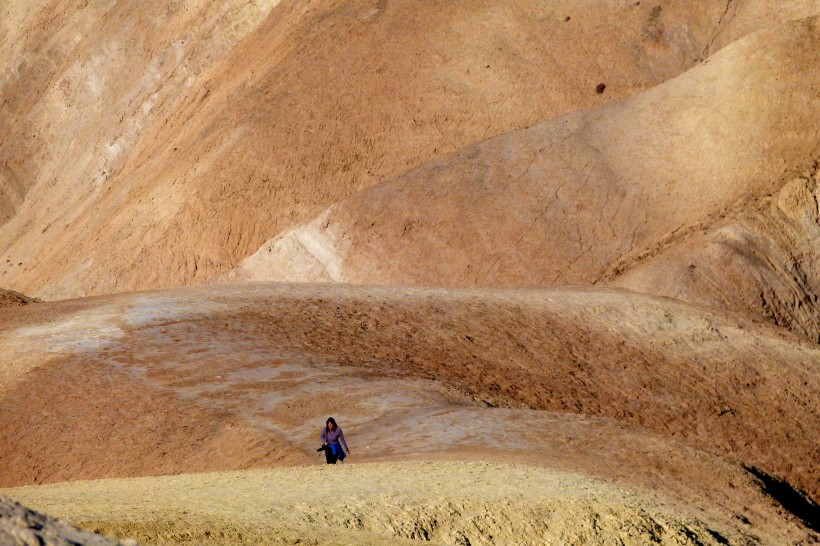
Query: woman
331	438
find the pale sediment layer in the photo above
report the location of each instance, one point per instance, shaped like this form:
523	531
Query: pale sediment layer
397	503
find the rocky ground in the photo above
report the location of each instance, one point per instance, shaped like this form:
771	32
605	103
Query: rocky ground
9	298
20	526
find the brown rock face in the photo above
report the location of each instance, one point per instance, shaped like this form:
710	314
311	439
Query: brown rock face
152	144
10	298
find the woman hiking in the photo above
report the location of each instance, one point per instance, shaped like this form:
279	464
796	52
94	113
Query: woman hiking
333	442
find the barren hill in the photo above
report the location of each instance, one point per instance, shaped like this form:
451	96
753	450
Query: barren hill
586	197
645	393
437	168
154	144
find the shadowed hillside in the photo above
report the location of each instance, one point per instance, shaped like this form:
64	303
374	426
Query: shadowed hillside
761	260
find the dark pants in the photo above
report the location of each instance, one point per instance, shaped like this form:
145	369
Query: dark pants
334	453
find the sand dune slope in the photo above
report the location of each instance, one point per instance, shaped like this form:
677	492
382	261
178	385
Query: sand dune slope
645	393
151	144
583	198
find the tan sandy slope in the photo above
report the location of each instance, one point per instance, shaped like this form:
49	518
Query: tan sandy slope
583	198
147	144
648	394
397	503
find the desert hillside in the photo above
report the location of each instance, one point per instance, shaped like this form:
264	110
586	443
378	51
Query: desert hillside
587	197
434	503
644	393
553	265
153	144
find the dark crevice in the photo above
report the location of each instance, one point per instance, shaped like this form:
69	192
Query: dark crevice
718	29
793	501
717	536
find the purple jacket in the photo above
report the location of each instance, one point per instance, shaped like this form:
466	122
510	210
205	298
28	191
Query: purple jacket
334	437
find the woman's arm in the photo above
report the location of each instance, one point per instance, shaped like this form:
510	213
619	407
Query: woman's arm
342	441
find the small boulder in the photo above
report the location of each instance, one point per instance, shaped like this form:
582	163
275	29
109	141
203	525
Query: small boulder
20	526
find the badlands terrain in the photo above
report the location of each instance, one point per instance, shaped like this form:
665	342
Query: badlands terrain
553	265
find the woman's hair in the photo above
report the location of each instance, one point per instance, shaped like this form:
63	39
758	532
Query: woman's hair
331	420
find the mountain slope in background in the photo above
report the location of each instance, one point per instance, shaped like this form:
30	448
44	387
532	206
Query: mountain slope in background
584	198
148	145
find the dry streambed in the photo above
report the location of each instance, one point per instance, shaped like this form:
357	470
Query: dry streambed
439	502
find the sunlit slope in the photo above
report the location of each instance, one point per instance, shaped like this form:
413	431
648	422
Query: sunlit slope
396	503
585	197
150	144
81	83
